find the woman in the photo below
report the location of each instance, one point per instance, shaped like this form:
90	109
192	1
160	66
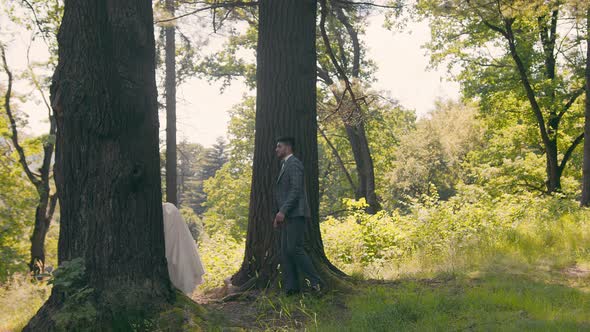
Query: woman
184	264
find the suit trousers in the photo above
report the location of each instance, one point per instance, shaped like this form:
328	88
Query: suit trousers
294	259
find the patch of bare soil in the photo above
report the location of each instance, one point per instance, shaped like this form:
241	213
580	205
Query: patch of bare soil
576	271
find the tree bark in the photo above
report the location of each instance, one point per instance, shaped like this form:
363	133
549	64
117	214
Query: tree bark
170	85
107	165
285	105
585	201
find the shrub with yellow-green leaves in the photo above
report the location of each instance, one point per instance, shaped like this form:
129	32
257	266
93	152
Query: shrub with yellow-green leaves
466	230
221	256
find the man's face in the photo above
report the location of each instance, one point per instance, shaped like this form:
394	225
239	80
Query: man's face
282	150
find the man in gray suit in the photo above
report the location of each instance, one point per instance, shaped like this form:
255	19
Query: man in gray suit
292	210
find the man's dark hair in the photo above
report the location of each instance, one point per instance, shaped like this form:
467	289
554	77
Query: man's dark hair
290	141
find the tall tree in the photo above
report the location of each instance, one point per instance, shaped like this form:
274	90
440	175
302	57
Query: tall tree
107	171
215	157
41	180
353	118
42	19
170	86
515	49
190	183
585	201
285	105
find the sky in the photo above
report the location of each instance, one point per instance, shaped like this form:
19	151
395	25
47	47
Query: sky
202	110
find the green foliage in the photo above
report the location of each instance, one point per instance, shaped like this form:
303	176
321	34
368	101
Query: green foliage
17	207
228	191
41	17
78	311
459	233
386	123
228	197
507	56
215	158
189	171
428	160
194	223
221	255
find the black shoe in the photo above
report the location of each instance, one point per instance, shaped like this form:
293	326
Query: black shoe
291	292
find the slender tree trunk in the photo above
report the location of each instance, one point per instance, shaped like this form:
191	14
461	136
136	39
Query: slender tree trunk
585	201
553	183
356	133
364	165
107	166
285	105
43	216
171	176
46	203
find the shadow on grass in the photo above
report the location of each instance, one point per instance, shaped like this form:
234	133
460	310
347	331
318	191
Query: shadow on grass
492	302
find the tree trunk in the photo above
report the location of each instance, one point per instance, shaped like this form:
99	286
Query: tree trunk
364	165
171	177
356	133
285	105
46	203
585	201
43	216
107	168
553	183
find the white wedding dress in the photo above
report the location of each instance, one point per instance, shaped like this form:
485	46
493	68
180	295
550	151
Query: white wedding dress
184	264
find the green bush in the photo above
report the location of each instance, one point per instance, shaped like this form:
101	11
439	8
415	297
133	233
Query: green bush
221	256
465	231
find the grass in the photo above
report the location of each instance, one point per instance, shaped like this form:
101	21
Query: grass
530	273
496	303
19	301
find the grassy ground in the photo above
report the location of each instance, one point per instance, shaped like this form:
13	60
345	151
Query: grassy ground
494	302
504	297
530	273
507	295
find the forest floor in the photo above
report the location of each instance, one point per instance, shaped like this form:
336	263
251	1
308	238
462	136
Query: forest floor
506	296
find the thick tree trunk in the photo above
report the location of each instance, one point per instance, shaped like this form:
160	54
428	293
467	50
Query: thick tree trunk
107	166
585	201
285	105
171	176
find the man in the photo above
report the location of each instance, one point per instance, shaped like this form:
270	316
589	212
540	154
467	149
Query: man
293	209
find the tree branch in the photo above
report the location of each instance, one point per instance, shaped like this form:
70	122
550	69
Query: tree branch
338	158
324	76
525	81
50	145
569	152
231	5
13	127
356	46
354	3
339	70
36	19
570	102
